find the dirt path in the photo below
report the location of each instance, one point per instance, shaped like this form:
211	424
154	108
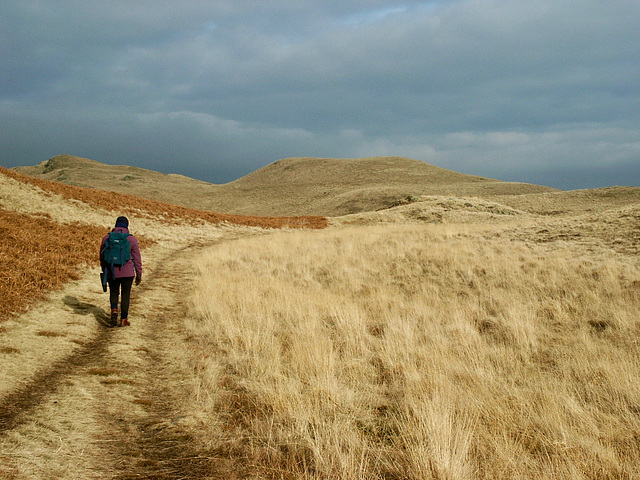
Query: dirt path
111	408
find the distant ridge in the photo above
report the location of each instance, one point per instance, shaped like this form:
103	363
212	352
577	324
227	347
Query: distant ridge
292	186
353	171
83	172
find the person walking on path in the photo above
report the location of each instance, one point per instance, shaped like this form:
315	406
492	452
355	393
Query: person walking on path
122	247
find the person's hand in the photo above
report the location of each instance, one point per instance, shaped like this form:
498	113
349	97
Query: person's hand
138	279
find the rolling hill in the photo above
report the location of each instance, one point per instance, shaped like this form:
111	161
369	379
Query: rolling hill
293	186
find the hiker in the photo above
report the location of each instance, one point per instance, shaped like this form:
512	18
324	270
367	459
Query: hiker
121	262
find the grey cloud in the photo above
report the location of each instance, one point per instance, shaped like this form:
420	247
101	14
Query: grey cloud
494	88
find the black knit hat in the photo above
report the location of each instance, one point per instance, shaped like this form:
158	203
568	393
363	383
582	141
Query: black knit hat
122	222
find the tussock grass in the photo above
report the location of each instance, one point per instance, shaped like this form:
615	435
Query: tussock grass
118	381
418	352
9	350
49	333
104	371
439	209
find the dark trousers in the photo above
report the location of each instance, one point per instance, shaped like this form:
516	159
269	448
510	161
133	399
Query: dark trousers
114	292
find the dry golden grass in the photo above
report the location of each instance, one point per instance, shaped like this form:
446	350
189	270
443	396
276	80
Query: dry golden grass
501	344
175	189
126	204
49	333
439	209
616	229
574	202
40	254
9	350
416	352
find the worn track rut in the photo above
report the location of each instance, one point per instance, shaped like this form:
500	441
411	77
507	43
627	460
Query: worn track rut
17	405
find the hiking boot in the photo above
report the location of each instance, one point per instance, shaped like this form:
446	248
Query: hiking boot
125	322
114	317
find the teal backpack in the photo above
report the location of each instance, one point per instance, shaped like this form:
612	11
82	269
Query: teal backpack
117	249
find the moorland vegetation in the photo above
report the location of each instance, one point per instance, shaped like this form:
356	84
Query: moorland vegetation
288	187
467	336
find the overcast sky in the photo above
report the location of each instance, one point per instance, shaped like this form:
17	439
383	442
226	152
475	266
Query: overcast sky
544	91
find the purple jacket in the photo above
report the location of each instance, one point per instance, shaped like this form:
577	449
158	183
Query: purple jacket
134	266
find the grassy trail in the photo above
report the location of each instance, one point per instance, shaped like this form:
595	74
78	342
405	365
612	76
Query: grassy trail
111	407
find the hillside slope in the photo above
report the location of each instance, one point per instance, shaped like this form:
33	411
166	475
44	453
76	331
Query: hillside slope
84	172
294	186
345	186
